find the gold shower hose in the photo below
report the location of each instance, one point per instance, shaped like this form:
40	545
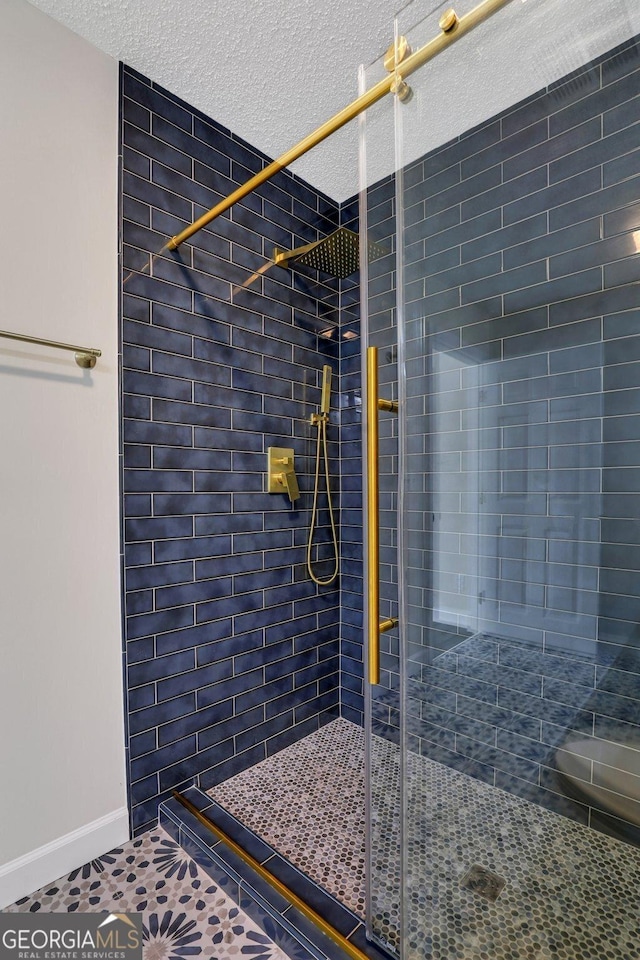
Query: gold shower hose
321	422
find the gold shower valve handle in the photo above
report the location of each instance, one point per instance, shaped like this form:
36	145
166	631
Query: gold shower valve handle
290	482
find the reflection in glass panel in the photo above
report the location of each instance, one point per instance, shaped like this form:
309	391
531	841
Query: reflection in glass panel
517	681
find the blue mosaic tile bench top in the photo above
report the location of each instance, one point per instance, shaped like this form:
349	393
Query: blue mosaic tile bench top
251	892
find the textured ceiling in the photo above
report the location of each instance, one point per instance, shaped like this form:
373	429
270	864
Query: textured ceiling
271	71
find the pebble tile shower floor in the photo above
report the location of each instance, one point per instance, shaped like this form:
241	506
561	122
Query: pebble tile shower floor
184	913
570	892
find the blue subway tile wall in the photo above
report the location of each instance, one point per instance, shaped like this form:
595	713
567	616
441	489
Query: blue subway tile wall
521	301
231	651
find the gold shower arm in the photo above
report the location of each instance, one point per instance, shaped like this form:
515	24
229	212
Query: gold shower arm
281	258
452	29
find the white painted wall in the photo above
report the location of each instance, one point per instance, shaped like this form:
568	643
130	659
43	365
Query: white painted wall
62	793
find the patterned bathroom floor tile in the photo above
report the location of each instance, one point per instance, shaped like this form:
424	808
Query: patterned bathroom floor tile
184	914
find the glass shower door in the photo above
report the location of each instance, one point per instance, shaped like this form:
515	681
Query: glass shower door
506	723
382	698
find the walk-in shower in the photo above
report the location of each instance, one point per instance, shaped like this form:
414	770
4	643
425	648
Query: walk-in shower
506	327
488	806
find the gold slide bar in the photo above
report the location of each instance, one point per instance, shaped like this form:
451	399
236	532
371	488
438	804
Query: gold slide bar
374	625
84	356
452	29
349	948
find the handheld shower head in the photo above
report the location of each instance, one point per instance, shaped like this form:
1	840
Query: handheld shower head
320	421
325	399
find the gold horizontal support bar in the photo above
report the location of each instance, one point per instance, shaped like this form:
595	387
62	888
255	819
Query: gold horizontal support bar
349	948
403	70
385	625
391	406
84	356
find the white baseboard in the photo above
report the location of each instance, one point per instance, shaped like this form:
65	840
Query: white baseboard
52	861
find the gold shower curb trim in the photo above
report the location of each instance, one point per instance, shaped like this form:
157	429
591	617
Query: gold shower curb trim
318	921
411	63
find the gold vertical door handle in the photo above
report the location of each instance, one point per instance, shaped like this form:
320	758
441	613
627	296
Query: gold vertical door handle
374	626
373	517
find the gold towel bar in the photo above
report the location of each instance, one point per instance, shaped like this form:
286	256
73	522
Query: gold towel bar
85	357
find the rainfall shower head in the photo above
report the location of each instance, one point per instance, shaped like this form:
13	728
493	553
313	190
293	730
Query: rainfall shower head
338	254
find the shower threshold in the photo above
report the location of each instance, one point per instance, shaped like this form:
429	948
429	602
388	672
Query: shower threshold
337	924
567	890
303	920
